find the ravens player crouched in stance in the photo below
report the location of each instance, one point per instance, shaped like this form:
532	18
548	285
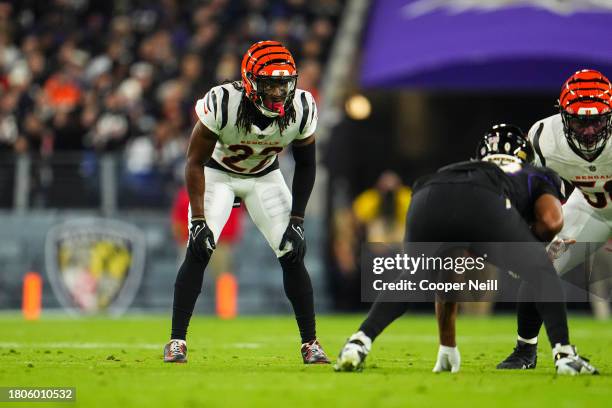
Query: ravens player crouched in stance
514	202
232	154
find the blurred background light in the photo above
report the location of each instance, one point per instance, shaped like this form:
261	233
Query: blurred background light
358	107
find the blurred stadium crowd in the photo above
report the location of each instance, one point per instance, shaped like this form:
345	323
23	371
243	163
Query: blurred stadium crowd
123	76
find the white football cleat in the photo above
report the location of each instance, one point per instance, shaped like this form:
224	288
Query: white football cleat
353	354
568	362
449	359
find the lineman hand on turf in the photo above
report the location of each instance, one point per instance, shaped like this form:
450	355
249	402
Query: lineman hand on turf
449	359
295	235
201	239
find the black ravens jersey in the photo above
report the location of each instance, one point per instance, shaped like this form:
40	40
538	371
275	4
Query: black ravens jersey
487	209
522	184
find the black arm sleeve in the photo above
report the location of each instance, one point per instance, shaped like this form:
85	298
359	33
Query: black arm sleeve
303	177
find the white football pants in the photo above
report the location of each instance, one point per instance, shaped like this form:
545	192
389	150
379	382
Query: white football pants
267	199
583	223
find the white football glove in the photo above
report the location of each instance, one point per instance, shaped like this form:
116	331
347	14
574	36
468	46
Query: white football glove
449	359
558	246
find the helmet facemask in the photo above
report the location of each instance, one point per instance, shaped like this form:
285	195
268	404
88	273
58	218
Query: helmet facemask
273	94
587	134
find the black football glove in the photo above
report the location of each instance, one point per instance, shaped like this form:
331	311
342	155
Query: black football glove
295	234
201	239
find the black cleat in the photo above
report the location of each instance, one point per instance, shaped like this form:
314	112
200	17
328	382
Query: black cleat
524	357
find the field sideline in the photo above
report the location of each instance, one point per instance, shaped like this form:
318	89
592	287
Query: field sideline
255	362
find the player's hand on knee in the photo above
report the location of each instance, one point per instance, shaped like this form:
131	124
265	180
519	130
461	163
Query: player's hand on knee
294	234
201	239
449	359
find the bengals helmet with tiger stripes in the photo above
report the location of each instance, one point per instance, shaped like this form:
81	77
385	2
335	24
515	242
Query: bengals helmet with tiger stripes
585	105
269	77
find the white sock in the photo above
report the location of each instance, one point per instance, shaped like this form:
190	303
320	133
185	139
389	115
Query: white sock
361	336
528	341
565	349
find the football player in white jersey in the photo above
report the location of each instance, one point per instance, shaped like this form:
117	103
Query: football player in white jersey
232	155
575	144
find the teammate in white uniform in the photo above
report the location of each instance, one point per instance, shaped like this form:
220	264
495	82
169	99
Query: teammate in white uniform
241	129
575	144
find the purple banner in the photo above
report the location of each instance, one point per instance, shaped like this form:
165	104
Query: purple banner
486	44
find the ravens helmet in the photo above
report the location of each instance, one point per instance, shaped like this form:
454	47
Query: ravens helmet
503	144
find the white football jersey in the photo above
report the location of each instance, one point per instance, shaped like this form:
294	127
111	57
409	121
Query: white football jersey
251	152
594	179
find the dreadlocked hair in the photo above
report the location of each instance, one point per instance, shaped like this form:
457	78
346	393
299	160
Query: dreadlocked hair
247	112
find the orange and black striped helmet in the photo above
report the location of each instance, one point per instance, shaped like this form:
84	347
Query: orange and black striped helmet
585	105
269	64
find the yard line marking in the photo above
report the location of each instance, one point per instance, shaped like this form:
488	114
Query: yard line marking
263	341
148	346
243	345
81	345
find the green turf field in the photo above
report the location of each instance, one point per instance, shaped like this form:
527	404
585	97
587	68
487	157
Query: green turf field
255	362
